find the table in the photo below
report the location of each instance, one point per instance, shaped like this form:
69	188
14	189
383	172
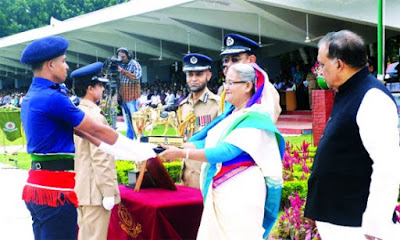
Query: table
156	214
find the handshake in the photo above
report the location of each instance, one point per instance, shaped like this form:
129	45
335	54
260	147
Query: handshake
127	149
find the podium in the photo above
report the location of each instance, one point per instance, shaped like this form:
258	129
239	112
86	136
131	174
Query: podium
156	213
291	103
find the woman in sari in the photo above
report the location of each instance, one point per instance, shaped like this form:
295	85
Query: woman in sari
241	176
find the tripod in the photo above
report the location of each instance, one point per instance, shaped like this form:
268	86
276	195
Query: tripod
111	108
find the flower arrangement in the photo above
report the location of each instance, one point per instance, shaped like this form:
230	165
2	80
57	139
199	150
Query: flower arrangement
293	158
292	224
316	69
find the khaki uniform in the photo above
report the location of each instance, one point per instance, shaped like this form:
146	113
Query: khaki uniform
205	109
312	85
95	178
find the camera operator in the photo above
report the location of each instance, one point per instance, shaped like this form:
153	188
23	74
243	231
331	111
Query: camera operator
131	72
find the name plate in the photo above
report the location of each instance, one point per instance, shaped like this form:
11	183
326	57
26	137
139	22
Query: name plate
174	141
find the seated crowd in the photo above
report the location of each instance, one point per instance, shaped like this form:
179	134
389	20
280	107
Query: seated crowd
12	97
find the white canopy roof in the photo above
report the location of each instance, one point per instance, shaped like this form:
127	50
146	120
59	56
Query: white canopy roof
160	32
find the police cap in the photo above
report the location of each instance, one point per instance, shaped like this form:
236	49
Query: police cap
195	62
90	72
44	49
235	44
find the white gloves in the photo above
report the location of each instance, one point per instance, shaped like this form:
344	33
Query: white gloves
108	203
127	149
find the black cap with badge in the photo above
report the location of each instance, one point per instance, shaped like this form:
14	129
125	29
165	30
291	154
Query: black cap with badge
235	44
195	62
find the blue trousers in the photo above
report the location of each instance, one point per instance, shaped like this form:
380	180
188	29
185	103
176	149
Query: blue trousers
54	222
131	105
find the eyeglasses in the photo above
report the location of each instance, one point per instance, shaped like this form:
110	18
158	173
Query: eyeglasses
230	84
233	59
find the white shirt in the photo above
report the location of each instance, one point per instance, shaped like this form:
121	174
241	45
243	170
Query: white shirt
143	99
155	99
170	99
377	120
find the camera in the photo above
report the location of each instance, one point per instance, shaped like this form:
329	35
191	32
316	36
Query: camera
111	64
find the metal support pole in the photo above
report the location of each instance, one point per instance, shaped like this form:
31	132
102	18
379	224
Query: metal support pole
381	50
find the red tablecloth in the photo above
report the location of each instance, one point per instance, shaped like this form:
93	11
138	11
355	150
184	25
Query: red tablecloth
156	214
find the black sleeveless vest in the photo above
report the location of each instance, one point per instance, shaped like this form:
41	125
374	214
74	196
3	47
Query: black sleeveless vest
338	187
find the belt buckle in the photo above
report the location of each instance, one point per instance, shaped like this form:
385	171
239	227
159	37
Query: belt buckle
38	166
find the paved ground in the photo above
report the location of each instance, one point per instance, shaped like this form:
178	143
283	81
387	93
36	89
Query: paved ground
15	219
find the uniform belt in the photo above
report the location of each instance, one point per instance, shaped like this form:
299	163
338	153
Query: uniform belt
54	165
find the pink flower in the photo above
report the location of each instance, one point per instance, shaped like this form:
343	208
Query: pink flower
305	167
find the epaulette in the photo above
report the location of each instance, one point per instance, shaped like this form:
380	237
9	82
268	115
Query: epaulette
61	88
184	101
214	97
205	98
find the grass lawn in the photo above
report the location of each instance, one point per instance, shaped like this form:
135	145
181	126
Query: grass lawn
159	130
5	142
21	160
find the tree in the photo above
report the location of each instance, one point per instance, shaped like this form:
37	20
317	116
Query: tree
22	15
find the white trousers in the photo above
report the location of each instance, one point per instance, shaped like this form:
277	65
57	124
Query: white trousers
329	231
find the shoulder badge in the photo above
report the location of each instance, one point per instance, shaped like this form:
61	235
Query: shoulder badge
62	90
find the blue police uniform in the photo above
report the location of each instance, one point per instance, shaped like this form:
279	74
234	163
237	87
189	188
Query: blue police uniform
49	117
47	104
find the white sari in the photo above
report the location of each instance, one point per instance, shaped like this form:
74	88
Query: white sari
235	209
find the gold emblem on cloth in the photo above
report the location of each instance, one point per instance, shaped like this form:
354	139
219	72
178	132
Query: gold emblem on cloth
128	223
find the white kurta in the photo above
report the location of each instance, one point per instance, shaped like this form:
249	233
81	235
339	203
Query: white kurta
377	120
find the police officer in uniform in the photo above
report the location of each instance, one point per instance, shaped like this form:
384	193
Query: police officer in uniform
50	118
96	177
240	49
197	110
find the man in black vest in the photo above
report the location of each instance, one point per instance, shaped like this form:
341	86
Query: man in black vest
354	184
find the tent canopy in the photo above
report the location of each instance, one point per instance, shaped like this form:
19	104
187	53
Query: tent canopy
161	32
